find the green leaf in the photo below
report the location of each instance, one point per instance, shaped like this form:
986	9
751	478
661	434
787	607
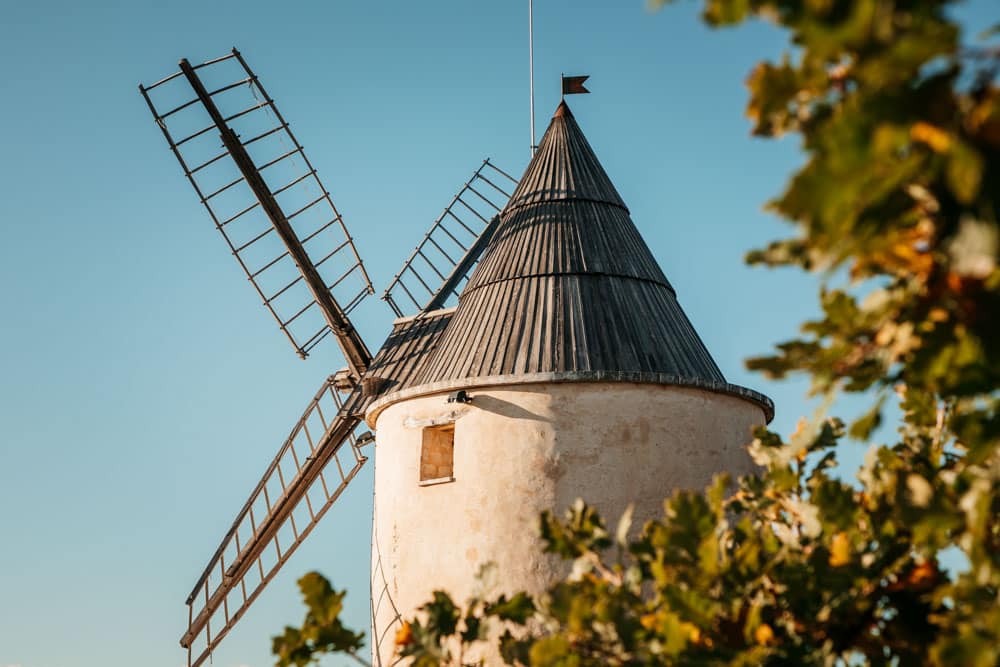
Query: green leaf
442	615
322	631
553	652
517	609
725	12
964	171
862	427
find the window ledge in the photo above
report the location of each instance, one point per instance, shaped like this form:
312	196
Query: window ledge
436	480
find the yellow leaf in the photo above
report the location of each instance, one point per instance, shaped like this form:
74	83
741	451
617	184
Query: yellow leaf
884	335
840	550
938	315
404	635
648	621
764	634
935	137
923	574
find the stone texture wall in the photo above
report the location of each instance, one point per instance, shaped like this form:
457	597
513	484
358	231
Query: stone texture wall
519	450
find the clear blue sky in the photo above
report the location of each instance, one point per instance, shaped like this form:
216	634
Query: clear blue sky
142	386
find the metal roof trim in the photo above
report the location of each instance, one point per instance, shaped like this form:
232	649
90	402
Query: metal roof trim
562	196
633	377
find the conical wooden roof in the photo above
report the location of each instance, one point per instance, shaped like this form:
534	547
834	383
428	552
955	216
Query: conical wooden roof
567	284
567	290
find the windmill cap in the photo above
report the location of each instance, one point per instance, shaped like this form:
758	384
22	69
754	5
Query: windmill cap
566	290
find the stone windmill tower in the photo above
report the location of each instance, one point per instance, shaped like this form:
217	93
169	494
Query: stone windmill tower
567	368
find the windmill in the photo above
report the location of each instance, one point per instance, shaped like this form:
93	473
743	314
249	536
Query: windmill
567	367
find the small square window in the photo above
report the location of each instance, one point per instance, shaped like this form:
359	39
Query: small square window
437	454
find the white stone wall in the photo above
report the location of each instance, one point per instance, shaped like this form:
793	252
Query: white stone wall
519	450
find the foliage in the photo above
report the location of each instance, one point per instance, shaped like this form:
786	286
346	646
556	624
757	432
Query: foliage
896	208
322	630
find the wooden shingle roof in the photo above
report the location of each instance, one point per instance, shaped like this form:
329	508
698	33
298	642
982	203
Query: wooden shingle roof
567	290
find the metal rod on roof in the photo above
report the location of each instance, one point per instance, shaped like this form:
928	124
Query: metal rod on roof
531	71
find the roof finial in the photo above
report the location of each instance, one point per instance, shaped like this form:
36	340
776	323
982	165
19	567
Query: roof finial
571	85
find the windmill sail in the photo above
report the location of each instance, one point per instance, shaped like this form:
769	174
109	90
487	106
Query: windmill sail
266	199
310	471
264	196
453	244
